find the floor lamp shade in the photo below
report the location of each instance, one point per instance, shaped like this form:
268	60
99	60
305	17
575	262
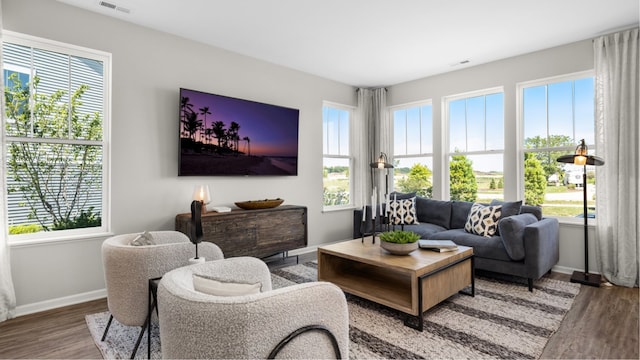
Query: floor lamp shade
381	163
580	157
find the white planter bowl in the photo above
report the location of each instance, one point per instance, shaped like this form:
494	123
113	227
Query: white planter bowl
399	249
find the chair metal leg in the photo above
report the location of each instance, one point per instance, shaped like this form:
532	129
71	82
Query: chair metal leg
104	335
135	349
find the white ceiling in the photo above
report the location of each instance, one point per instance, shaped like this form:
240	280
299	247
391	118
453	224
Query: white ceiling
373	43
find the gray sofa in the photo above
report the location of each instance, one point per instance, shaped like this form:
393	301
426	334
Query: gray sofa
526	245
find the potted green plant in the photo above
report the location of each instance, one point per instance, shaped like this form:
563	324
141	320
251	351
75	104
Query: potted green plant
399	242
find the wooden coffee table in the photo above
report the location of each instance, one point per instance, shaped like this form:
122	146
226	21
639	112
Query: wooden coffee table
412	284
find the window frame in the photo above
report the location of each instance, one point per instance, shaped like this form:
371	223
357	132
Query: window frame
350	157
447	153
520	87
70	234
411	105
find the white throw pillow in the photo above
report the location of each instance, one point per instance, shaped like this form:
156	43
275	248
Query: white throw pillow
143	239
483	220
223	288
404	210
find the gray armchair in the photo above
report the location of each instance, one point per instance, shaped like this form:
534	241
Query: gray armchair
128	268
301	321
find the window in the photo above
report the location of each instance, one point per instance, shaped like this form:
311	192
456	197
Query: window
55	131
476	145
556	114
337	161
413	148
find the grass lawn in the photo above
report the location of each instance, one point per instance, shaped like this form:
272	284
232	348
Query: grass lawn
552	207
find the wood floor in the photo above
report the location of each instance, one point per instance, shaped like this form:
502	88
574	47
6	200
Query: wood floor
602	324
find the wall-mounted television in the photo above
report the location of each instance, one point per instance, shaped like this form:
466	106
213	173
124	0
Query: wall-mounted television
221	135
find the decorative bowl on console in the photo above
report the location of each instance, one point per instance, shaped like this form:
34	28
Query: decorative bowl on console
399	242
259	204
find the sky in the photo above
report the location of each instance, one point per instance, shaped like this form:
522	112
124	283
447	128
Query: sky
560	118
477	123
272	130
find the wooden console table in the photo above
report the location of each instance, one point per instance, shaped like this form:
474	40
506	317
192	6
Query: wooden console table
259	233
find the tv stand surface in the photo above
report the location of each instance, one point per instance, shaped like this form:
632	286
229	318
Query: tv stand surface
259	233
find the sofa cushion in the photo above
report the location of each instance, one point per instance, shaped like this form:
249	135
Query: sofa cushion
512	233
483	220
530	209
484	247
403	211
509	208
433	211
459	213
424	229
399	195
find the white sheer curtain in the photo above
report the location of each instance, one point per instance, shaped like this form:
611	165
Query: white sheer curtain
617	141
362	132
7	293
374	137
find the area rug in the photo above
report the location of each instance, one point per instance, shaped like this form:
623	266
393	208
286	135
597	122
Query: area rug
504	320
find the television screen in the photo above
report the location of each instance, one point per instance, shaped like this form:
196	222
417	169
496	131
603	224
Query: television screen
221	135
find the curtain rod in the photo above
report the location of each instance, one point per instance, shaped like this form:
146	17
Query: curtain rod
384	87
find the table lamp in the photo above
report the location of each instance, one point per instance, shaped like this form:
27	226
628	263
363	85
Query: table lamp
201	193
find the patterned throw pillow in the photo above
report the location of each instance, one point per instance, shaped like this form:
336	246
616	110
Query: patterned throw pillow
404	210
483	220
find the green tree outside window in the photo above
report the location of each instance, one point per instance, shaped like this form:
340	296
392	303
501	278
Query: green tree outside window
55	178
463	185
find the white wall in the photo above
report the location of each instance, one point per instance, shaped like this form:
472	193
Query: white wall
149	67
507	73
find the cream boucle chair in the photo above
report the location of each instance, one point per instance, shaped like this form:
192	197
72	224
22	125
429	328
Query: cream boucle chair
128	268
307	320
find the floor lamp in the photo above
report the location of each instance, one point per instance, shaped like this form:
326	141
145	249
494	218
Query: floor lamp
582	158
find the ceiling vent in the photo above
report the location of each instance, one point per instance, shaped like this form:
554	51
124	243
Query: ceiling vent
108	5
115	7
463	62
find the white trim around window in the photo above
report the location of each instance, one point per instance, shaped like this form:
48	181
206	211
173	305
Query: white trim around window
446	153
521	136
353	148
106	59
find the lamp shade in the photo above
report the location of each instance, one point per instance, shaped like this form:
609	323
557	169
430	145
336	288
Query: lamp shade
580	157
590	159
381	163
201	193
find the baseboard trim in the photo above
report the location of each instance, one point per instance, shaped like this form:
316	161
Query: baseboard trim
568	270
27	309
